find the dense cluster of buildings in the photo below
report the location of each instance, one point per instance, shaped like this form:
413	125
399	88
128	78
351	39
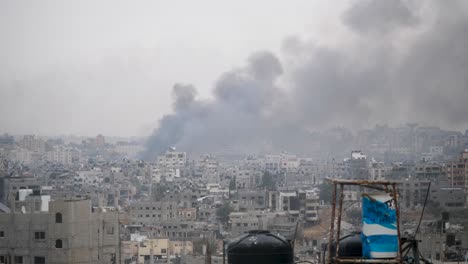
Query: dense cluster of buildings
93	201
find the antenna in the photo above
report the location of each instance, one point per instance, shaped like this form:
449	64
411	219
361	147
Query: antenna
293	242
422	213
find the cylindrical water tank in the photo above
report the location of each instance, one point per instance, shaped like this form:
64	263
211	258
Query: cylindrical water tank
260	247
351	246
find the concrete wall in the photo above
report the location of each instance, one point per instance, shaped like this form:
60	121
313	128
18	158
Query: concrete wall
86	236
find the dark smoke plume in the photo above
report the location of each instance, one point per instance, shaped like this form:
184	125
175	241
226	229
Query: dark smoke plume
404	61
238	118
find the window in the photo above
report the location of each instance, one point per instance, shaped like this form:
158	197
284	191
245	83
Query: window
19	259
58	218
40	235
2	259
58	243
163	250
2	234
39	260
110	230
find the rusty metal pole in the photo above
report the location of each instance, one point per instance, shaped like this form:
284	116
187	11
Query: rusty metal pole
332	224
397	209
338	228
224	251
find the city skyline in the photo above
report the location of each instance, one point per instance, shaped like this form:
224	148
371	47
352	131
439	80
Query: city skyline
233	132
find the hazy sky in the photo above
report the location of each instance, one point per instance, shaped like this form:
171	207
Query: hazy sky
89	67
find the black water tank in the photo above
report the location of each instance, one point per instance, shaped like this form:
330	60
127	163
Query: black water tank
351	246
260	247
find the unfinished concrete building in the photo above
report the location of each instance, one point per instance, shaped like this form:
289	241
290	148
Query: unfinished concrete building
71	231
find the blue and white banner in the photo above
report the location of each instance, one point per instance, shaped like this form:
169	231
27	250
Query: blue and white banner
379	228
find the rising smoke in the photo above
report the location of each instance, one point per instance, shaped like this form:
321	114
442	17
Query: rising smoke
404	61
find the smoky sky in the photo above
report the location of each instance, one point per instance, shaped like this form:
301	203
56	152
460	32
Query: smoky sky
108	67
379	17
403	61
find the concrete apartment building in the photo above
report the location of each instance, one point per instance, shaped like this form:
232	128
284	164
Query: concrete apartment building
141	249
156	248
207	167
457	173
302	204
289	162
150	213
71	231
128	149
251	200
164	174
185	196
429	171
9	186
241	222
357	166
449	198
173	159
177	229
288	201
246	178
283	223
378	171
62	155
153	213
413	193
272	163
24	156
33	143
311	206
168	167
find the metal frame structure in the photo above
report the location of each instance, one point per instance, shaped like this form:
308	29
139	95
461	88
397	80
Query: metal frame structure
333	257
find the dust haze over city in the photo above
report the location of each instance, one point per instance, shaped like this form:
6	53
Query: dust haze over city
175	127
